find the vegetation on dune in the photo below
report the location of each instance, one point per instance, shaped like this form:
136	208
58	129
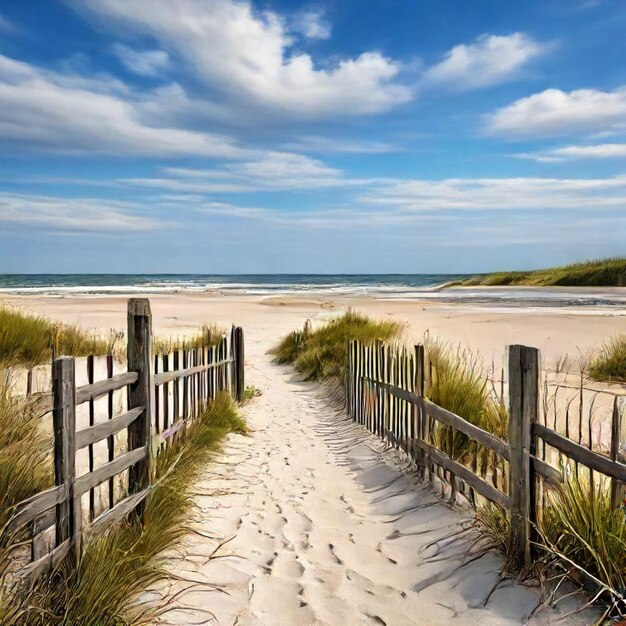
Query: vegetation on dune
581	525
103	587
321	353
206	337
25	460
609	364
457	383
601	273
29	340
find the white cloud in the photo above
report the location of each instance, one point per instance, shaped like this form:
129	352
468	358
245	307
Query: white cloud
312	24
248	55
72	114
271	171
490	60
142	62
553	111
570	153
311	143
502	194
72	214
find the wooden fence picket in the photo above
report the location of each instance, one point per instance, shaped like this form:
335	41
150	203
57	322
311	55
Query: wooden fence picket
386	392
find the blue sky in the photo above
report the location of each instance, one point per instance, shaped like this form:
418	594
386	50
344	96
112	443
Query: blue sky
226	136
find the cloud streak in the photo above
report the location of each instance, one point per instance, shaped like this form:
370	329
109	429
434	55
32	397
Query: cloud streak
52	112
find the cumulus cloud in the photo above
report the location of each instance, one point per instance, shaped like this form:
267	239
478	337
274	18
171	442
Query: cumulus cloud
570	153
553	111
489	60
142	62
72	214
248	54
60	113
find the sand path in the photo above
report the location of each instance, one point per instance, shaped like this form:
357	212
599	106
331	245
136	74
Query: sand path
323	527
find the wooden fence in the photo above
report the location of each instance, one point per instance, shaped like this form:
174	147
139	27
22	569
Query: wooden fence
387	391
159	405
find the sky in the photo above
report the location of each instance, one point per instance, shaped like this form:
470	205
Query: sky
288	136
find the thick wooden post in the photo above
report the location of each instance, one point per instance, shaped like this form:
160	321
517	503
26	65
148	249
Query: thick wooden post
523	411
140	393
68	519
240	384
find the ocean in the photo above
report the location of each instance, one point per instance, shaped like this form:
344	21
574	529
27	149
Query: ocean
250	284
388	286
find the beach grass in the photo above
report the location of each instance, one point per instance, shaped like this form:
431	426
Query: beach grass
104	588
25	455
581	525
598	273
206	337
28	340
321	353
609	363
456	382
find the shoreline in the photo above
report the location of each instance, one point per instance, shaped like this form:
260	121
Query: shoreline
483	327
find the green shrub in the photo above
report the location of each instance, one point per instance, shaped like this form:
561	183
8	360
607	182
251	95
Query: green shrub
321	353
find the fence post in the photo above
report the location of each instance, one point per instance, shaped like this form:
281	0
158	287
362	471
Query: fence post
523	363
140	393
68	519
240	384
616	433
418	411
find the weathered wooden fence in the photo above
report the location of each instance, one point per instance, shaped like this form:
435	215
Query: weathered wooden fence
158	406
387	391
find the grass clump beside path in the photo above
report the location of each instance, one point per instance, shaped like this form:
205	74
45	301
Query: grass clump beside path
602	273
321	353
581	525
610	362
29	340
206	337
104	588
25	459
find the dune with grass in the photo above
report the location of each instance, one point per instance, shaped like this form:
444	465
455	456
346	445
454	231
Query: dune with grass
601	273
308	518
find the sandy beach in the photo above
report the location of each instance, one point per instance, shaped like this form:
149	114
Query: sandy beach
486	326
313	520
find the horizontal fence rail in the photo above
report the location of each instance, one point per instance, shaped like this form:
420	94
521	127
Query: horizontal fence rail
387	391
156	406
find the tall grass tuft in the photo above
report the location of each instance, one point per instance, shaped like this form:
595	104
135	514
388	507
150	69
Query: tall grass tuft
581	525
29	340
207	337
321	353
25	459
456	383
104	588
610	362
